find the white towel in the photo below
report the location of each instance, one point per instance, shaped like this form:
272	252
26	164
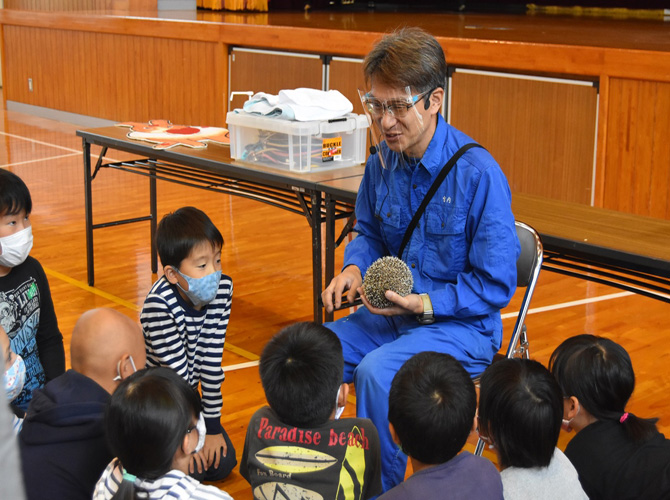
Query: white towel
301	104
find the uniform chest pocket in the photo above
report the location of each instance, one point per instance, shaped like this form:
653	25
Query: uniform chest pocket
446	243
388	213
390	220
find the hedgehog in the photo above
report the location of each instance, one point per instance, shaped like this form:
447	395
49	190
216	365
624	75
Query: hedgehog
387	273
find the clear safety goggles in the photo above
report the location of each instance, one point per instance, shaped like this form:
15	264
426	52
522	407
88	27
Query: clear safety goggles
397	108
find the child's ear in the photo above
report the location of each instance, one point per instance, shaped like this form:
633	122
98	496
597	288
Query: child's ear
184	445
483	433
344	393
394	435
171	274
125	367
570	407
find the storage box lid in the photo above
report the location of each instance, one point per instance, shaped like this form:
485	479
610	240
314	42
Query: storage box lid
347	123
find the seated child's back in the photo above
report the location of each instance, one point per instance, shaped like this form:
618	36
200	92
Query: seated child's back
297	447
432	406
616	453
520	412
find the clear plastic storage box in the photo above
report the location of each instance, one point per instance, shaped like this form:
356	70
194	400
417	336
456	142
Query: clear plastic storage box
297	146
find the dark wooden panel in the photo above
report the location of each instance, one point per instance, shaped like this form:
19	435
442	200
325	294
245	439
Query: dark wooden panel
637	164
542	133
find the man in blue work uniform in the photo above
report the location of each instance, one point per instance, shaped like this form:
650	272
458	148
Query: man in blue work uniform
462	253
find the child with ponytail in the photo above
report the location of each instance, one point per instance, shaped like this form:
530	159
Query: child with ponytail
616	453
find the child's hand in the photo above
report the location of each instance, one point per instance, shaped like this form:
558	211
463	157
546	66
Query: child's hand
211	449
200	460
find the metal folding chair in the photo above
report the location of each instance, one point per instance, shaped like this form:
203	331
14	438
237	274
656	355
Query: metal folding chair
528	267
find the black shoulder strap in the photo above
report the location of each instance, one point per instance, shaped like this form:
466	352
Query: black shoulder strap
431	192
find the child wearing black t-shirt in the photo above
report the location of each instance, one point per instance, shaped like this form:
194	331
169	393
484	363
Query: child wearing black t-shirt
297	447
26	309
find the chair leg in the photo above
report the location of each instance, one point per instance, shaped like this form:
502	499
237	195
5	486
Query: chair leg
524	346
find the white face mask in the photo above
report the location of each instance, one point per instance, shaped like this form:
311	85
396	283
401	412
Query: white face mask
566	424
118	377
202	432
14	249
338	409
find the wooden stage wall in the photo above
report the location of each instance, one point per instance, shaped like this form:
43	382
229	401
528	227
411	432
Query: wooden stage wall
82	5
139	68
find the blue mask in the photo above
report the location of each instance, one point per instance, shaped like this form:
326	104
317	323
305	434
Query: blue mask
201	291
15	376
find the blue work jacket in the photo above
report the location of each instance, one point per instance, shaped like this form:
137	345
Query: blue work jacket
464	249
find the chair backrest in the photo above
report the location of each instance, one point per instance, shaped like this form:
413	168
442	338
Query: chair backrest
528	267
530	259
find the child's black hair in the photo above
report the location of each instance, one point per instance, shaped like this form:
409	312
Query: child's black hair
432	406
14	194
599	373
182	230
301	369
521	409
148	416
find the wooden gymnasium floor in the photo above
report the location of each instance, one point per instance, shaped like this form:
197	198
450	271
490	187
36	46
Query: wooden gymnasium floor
267	252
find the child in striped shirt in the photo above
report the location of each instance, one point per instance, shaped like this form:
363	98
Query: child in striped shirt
151	423
184	321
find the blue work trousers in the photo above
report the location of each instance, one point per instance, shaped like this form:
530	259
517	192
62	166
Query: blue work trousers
375	347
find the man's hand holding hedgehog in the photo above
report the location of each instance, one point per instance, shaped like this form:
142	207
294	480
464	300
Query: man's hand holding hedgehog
386	289
349	279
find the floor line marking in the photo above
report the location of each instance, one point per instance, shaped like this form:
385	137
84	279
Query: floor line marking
92	289
242	352
38	159
74	151
40	142
565	305
134	307
240	366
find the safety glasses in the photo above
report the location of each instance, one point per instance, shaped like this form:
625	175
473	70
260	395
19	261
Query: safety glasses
397	108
